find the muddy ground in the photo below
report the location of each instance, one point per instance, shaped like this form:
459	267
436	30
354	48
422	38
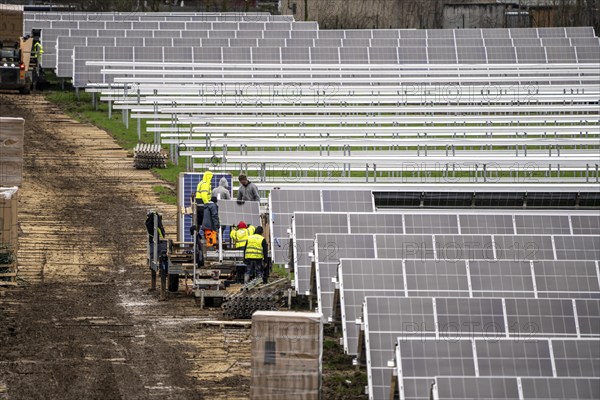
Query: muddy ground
83	324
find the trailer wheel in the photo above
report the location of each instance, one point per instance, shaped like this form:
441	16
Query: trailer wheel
173	282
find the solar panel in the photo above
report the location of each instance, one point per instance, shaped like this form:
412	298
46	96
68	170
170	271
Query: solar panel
431	223
441	42
550	317
560	388
412	42
376	223
527	42
324	55
542	224
586	41
509	357
230	212
531	54
512	247
577	358
354	55
498	42
436	278
383	55
351	201
561	54
551	32
485	224
359	278
464	247
468	317
501	278
588	315
237	55
567	279
463	388
587	54
405	246
471	55
505	55
577	247
329	249
290	55
580	31
282	204
523	33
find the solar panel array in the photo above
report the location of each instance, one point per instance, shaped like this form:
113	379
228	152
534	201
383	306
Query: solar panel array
361	278
414	236
425	289
421	360
283	204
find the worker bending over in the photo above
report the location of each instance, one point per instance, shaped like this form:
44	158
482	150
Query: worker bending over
256	253
239	234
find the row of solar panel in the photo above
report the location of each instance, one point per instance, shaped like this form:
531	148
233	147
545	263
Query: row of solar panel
358	279
330	248
33	18
439	320
515	388
83	74
306	225
419	361
65	45
50	28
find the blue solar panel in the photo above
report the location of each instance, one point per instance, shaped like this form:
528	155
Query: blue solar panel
188	181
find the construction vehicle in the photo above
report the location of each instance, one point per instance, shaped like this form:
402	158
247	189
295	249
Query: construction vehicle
20	63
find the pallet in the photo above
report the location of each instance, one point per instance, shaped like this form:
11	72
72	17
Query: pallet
223	324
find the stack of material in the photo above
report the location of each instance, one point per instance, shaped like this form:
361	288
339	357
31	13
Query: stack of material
286	355
8	236
12	132
146	156
254	297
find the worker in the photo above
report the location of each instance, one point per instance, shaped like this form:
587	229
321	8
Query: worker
37	52
203	195
204	188
210	222
255	252
247	191
239	234
222	191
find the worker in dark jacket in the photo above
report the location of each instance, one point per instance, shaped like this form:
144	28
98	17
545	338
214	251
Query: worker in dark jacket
247	191
210	222
256	253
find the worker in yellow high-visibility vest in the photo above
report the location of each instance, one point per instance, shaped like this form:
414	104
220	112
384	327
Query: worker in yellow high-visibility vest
204	188
37	52
239	234
255	252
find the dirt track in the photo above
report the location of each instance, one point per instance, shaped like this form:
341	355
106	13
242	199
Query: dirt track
84	326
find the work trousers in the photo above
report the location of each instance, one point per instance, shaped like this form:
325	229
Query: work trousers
254	267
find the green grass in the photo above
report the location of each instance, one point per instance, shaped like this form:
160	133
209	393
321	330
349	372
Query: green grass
83	111
166	195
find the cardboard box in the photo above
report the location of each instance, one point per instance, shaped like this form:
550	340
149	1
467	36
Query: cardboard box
287	352
11	22
8	218
12	136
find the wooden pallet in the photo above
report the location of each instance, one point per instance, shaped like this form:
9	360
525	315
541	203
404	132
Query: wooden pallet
8	278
